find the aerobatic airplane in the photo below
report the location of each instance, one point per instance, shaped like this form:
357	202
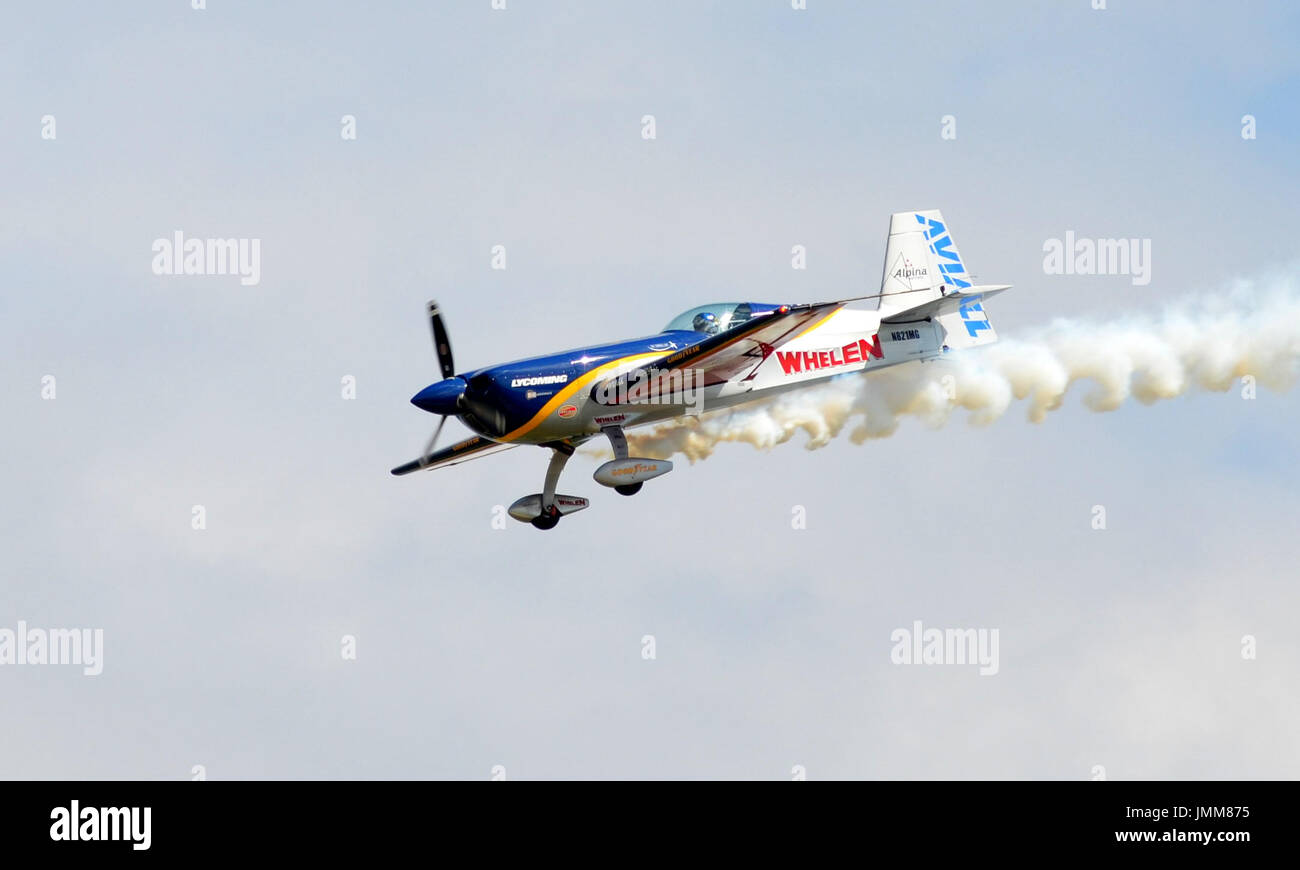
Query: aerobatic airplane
710	357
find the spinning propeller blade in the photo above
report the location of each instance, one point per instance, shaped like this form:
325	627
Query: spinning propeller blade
452	396
428	448
441	344
439	397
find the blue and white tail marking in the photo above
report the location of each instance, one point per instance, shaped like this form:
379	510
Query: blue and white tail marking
926	278
944	249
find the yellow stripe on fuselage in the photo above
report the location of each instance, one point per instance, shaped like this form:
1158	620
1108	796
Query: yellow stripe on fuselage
818	323
568	392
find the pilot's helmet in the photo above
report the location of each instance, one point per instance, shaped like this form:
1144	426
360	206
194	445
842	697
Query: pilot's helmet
706	321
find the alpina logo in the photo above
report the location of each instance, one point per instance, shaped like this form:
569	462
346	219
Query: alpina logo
793	362
907	270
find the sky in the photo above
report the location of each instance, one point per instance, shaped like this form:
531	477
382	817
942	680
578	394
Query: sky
485	652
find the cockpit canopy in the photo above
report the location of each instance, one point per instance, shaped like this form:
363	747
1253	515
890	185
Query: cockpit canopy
718	317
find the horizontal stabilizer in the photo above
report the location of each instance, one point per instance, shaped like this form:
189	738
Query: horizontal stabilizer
954	301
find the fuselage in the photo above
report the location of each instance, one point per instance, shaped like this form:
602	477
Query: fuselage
539	397
560	396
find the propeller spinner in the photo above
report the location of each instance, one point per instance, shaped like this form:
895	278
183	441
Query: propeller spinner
452	396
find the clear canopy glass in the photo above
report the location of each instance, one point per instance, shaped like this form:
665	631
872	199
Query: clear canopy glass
717	317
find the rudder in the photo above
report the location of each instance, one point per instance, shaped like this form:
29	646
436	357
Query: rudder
921	261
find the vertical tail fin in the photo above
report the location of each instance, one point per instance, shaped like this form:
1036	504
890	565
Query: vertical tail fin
921	261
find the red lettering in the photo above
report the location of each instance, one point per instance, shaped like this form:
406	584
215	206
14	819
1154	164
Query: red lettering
790	362
805	361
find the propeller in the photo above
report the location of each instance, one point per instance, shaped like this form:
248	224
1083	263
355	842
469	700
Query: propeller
452	396
441	344
428	448
443	397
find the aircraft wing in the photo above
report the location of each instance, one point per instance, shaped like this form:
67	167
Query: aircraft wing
730	355
461	451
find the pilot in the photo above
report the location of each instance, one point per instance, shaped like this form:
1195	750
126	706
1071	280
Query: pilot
706	322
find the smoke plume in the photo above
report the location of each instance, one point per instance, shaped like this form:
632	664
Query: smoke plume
1209	344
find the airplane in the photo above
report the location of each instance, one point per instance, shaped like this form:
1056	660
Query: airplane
710	357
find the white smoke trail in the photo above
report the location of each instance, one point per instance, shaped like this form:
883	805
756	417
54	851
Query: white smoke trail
1208	344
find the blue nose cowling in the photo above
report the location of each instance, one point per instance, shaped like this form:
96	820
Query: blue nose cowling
440	398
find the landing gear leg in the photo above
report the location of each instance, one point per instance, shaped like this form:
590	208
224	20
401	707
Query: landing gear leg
550	515
618	441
